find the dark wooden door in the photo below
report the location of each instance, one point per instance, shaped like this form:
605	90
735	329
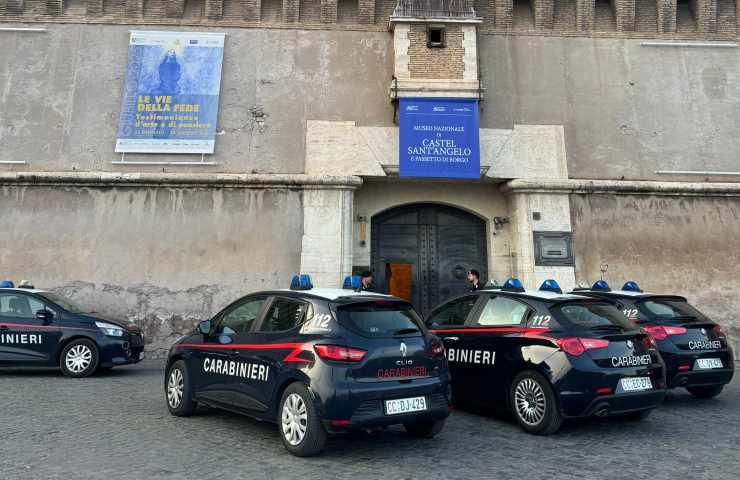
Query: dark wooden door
440	243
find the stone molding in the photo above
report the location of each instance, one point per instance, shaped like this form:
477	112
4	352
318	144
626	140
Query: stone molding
622	187
184	180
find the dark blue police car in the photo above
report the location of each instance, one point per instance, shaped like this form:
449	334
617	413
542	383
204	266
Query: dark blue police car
317	362
547	356
40	328
694	348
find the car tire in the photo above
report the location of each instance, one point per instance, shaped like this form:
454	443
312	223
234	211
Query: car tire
637	416
178	390
427	429
534	404
299	423
705	392
79	358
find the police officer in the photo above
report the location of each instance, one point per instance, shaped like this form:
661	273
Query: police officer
366	282
474	280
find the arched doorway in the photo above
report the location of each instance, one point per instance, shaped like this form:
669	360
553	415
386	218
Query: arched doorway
422	252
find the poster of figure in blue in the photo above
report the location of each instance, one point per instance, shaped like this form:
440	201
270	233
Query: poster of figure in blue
438	137
170	96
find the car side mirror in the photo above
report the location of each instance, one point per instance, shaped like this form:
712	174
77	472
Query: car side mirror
44	315
205	327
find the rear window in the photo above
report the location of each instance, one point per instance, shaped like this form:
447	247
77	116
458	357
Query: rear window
666	309
591	316
380	320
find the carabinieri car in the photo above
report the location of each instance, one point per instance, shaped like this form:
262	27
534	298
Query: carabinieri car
40	328
694	348
315	361
547	356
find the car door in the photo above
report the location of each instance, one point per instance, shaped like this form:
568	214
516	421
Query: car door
265	350
491	347
26	336
217	360
448	322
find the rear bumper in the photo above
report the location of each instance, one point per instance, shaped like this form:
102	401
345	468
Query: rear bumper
362	405
697	378
588	405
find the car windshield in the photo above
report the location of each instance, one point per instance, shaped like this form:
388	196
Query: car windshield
592	316
380	319
671	309
63	302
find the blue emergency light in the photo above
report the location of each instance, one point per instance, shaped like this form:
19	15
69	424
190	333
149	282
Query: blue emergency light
601	285
301	282
513	285
7	284
631	286
551	285
352	282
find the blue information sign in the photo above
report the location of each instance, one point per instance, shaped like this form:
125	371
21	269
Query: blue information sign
438	137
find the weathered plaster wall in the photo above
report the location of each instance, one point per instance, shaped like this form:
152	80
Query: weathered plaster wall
60	95
628	110
668	244
164	258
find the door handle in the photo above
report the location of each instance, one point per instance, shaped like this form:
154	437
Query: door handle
234	352
4	327
451	339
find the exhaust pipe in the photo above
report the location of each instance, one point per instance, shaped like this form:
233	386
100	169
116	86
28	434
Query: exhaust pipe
602	411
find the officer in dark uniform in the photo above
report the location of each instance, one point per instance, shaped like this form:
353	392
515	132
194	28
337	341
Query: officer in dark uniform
366	282
474	280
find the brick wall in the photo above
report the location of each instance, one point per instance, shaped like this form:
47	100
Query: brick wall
666	16
625	15
436	63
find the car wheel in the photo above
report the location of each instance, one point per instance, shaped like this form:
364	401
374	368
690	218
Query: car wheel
705	392
426	429
637	416
179	391
79	358
534	404
300	427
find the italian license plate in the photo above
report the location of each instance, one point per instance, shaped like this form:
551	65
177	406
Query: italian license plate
405	405
636	384
706	363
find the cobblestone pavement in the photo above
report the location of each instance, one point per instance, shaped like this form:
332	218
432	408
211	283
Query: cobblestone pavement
117	426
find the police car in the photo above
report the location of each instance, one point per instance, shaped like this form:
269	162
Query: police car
40	328
695	349
316	362
547	356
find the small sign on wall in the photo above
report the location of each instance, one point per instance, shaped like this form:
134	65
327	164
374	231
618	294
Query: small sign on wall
438	137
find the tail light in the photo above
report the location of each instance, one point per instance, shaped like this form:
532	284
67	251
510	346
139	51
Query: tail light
649	342
662	332
578	346
717	330
437	349
339	353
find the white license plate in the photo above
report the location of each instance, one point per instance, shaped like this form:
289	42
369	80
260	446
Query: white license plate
706	363
636	384
405	405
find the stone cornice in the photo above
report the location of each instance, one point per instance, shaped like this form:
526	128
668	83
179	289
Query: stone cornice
622	187
185	180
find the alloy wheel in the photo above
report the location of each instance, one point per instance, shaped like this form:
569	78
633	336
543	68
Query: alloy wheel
530	402
78	358
175	387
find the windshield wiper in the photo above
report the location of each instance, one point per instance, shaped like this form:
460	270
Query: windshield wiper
404	331
608	327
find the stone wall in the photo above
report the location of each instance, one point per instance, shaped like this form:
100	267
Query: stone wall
436	63
162	257
667	244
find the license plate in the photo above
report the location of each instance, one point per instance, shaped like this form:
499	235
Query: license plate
636	384
706	363
405	405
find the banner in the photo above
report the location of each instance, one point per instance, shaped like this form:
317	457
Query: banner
170	96
438	138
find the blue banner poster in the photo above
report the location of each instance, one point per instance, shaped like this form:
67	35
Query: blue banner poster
170	96
438	138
